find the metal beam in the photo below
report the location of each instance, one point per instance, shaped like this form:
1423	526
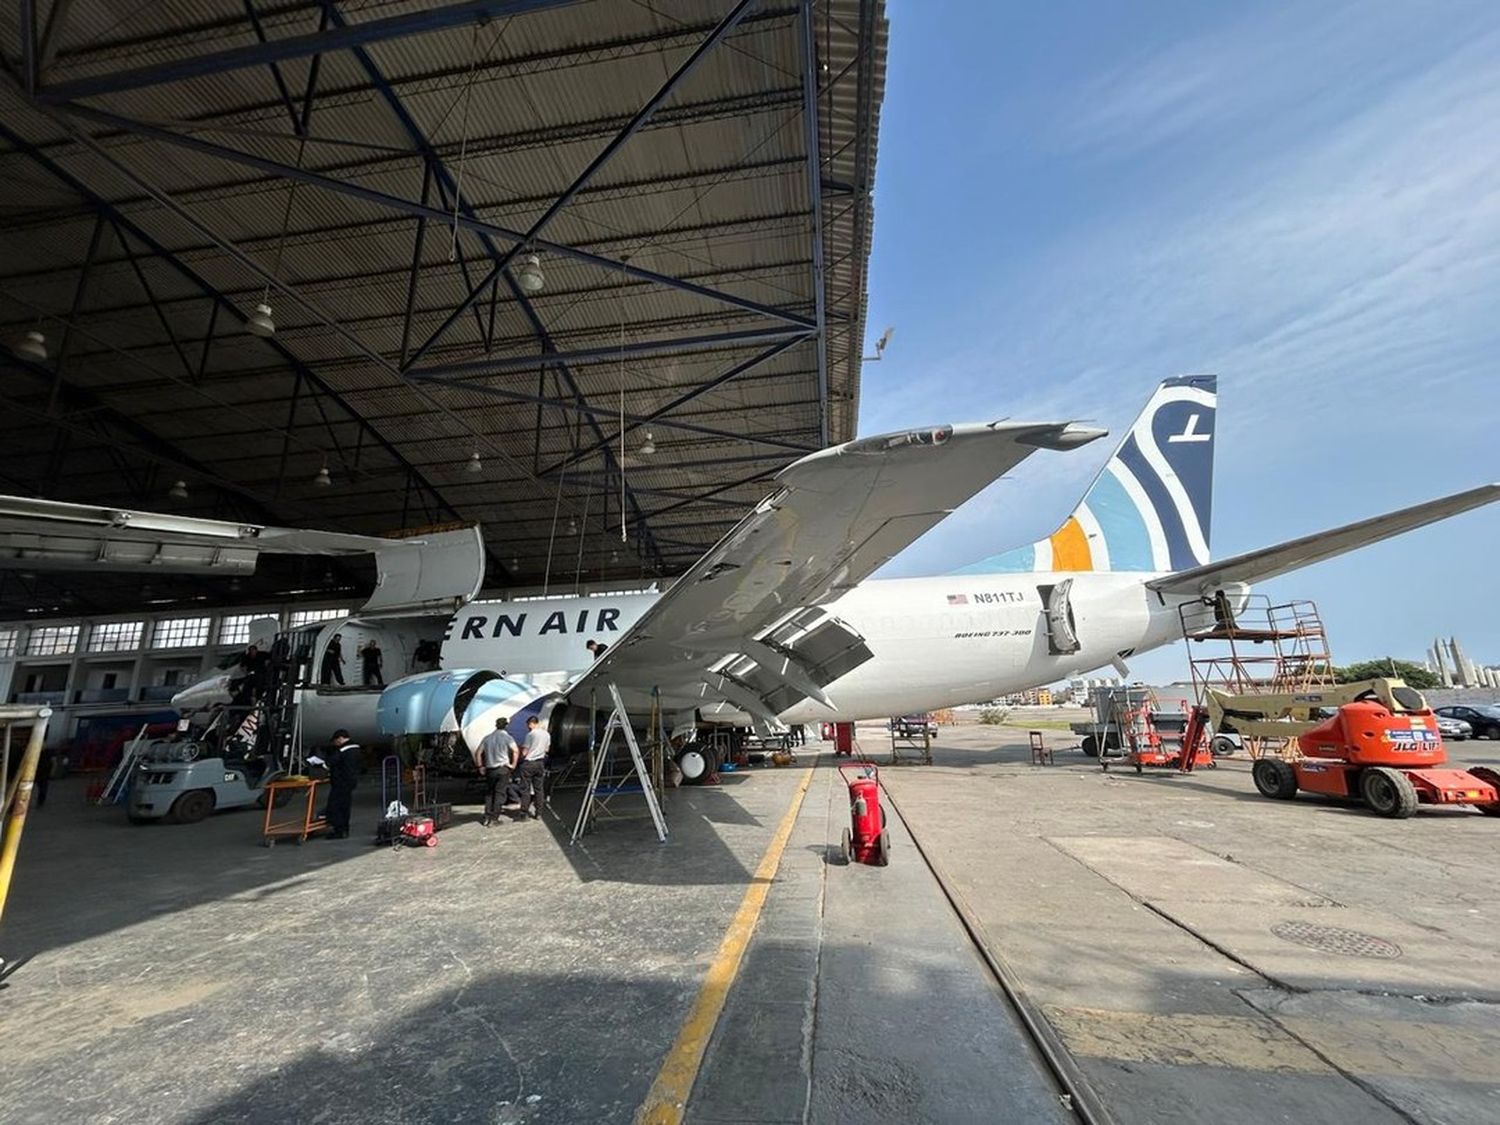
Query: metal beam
166	200
815	199
683	399
465	219
95	241
416	264
342	38
603	157
281	86
595	413
465	211
161	318
188	273
56	19
28	32
453	372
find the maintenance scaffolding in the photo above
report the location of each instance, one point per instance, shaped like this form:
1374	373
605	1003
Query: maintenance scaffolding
1263	647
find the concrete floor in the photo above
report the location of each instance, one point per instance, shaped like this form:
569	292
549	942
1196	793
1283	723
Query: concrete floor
1161	924
186	974
1207	954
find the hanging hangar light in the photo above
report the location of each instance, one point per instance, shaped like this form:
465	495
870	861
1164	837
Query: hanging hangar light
529	274
260	322
178	491
32	346
475	465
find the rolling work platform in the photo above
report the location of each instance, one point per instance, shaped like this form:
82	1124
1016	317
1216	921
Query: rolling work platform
1264	647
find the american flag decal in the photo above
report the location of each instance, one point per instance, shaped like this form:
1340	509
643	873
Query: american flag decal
958	599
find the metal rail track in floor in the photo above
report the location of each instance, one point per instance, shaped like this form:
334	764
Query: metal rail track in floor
1080	1097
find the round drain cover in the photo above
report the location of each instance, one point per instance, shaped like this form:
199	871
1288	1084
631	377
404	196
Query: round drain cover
1336	939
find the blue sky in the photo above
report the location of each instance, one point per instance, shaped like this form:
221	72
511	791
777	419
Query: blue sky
1075	200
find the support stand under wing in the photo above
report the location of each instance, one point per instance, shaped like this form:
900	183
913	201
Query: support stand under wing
593	803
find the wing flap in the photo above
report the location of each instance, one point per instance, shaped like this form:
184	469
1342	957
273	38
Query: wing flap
1269	562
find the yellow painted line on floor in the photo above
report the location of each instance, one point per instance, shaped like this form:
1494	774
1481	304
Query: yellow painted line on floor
669	1093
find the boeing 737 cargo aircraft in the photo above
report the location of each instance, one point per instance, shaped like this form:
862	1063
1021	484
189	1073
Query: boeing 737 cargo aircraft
778	624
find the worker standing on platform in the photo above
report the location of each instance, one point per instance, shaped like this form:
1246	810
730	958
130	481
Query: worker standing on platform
371	663
494	759
333	662
534	767
343	775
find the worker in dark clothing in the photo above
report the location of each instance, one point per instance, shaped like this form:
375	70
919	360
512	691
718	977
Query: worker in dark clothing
598	648
257	665
343	762
371	662
43	776
332	670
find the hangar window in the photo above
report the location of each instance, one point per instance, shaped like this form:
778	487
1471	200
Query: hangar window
52	640
116	636
180	632
235	629
8	641
312	616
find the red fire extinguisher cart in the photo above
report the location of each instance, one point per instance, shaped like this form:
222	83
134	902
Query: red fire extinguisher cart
865	840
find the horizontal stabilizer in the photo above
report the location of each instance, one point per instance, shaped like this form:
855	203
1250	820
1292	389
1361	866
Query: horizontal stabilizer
1269	562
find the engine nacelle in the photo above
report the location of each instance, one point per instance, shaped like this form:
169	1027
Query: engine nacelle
462	701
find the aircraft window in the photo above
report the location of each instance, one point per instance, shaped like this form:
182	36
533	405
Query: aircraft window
52	640
116	636
180	632
312	616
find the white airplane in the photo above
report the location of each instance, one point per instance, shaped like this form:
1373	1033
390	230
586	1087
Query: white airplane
778	625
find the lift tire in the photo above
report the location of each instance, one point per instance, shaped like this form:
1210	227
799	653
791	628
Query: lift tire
883	849
847	847
1222	747
1090	746
1274	778
694	760
192	806
1484	773
1388	792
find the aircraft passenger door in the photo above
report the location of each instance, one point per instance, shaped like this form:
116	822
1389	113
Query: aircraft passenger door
1062	636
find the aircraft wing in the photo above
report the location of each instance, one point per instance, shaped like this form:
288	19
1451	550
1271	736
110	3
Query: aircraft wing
426	571
745	625
1269	562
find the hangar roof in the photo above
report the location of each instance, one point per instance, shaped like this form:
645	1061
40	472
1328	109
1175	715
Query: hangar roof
693	179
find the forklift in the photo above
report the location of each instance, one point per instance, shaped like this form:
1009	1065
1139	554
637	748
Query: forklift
1375	742
227	764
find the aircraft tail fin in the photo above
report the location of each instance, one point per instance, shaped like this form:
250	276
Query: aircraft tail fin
1149	508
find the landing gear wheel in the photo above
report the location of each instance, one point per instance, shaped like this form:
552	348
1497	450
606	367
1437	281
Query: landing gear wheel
1274	778
192	807
847	848
693	760
883	849
1388	792
1484	773
1090	746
